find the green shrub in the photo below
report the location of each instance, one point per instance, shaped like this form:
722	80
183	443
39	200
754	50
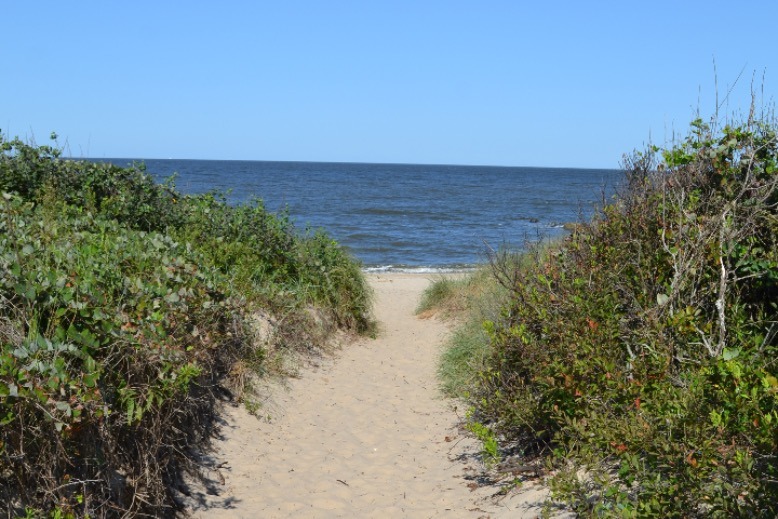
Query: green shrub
112	343
266	258
128	195
125	311
642	350
262	253
337	280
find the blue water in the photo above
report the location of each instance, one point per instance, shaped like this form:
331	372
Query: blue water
406	217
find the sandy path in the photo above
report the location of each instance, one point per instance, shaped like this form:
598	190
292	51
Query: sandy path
364	435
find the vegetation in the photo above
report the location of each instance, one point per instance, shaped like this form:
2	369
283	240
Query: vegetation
126	313
637	358
469	300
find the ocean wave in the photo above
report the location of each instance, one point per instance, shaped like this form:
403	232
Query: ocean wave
408	269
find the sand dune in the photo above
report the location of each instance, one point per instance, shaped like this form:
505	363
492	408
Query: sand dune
365	434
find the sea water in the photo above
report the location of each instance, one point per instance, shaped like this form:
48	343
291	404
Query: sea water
406	217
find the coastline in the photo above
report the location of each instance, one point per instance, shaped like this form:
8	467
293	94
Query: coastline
418	270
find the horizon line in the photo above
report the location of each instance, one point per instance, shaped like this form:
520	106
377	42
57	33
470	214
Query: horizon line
356	162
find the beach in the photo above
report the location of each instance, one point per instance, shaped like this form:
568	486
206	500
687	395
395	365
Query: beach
362	433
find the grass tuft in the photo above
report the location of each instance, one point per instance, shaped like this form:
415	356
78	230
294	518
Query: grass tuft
468	299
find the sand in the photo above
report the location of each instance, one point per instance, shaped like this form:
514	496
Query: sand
363	434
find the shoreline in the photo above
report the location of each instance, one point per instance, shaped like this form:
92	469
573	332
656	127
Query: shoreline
419	270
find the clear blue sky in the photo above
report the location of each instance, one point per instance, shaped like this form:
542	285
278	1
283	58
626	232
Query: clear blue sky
570	84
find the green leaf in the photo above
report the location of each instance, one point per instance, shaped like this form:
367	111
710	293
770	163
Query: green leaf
90	380
730	353
662	299
130	411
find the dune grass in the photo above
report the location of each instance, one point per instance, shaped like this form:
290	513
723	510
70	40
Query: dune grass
468	299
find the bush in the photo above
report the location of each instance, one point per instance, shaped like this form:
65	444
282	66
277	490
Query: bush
638	357
113	341
266	258
128	195
125	309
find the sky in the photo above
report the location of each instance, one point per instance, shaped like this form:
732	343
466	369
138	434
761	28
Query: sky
512	83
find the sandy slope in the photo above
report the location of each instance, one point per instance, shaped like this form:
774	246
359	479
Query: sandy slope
364	435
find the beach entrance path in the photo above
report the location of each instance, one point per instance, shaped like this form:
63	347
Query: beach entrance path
365	434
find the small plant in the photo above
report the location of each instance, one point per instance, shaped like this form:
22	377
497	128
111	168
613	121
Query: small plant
490	449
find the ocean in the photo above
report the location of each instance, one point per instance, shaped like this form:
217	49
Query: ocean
403	217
